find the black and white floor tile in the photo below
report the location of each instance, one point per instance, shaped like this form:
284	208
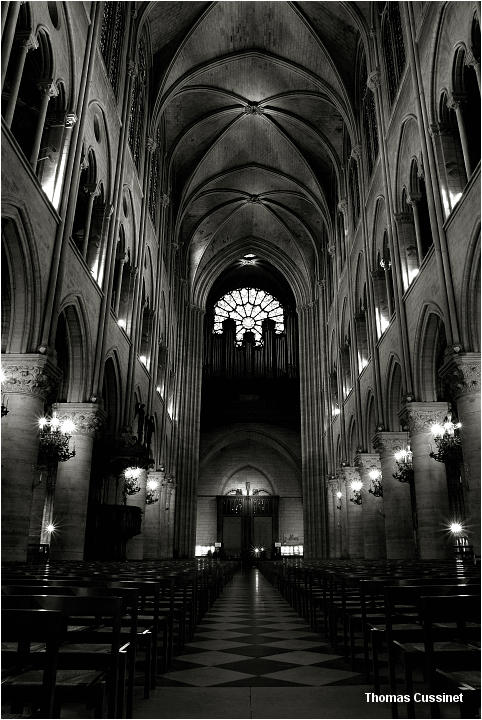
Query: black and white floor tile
251	637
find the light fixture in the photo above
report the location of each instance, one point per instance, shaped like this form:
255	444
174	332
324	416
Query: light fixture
339	496
122	323
55	435
375	476
131	484
356	486
5	410
51	528
456	528
448	441
143	359
152	494
403	461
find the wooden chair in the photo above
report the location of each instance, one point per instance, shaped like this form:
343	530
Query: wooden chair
21	687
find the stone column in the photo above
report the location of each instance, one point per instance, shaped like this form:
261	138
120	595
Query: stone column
47	90
73	481
399	530
372	509
413	201
28	43
430	480
331	488
170	514
92	190
152	519
9	26
164	520
462	372
135	546
354	515
29	381
455	103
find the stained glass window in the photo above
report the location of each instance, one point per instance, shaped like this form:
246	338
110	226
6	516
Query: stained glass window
111	39
248	307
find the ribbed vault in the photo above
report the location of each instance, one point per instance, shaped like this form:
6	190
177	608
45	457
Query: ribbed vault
253	101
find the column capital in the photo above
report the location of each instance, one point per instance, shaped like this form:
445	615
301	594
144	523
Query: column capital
331	249
91	189
470	59
413	198
49	88
343	206
388	443
88	418
70	120
151	145
131	68
30	374
439	128
28	41
165	200
348	474
356	152
454	101
422	415
367	461
373	80
462	373
403	218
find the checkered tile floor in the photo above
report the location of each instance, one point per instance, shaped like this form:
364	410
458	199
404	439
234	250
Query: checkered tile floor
251	637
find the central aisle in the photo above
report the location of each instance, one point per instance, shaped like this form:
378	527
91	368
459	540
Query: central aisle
253	657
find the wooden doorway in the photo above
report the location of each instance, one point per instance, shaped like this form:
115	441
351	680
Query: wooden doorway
246	522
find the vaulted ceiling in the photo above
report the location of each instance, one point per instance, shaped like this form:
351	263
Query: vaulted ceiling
256	105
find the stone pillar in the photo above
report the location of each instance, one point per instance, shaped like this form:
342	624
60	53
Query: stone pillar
399	530
92	190
164	520
430	480
29	381
455	103
331	488
372	509
47	91
152	519
28	43
170	514
462	372
8	32
355	543
135	546
73	481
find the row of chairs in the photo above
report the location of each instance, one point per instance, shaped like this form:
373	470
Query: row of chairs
408	615
88	632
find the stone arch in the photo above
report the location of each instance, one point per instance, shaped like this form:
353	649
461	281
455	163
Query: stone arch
253	473
20	284
112	393
370	421
72	349
352	440
394	394
470	295
430	345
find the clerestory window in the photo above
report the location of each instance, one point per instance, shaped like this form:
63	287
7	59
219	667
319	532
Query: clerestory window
248	307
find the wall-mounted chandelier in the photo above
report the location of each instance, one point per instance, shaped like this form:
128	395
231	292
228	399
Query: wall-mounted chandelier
152	491
356	486
131	481
55	435
376	488
403	461
448	441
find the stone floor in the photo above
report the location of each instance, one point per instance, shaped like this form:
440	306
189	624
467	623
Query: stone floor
253	657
